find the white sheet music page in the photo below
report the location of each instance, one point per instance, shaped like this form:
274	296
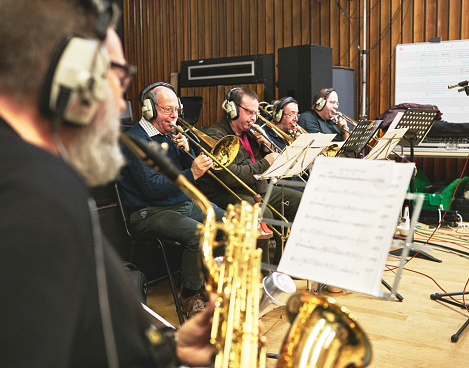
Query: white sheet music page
345	222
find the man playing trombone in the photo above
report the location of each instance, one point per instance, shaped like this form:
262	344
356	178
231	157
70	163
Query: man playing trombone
241	111
323	118
158	206
284	119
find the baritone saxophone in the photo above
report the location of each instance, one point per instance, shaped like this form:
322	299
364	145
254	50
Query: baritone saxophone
237	281
322	334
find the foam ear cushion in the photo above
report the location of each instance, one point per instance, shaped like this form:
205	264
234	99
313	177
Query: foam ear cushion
76	80
321	102
149	111
229	106
278	113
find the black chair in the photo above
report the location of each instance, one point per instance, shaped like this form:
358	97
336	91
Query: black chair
192	107
160	243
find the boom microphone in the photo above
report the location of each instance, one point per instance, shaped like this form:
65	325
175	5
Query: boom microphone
460	84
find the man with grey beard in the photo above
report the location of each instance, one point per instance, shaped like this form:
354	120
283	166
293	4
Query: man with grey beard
66	301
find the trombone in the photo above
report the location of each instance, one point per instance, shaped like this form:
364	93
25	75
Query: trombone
203	136
288	137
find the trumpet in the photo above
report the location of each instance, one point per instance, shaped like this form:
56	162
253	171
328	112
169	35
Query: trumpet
338	114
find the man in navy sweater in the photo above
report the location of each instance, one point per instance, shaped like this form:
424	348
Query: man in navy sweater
157	205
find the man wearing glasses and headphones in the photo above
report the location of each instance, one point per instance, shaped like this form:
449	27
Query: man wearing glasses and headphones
67	301
157	205
322	119
241	110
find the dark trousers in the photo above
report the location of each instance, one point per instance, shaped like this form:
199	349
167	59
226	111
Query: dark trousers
291	199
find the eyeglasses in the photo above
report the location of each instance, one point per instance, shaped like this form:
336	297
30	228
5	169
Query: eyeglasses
169	110
129	72
295	114
250	112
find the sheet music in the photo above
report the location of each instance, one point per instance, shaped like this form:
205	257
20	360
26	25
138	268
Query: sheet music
345	222
396	120
295	159
386	144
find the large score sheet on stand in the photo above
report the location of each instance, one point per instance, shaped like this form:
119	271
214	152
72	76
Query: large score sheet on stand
345	223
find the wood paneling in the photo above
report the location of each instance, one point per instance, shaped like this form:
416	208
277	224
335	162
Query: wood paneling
158	35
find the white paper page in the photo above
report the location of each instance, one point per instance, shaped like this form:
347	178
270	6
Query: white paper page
313	140
396	120
345	223
293	161
386	144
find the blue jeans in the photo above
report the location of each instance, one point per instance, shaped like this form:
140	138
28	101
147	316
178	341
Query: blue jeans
177	223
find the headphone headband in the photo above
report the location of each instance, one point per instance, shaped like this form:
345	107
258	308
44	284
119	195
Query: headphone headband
278	111
148	88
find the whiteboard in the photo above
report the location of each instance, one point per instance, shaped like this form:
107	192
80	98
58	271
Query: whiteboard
424	71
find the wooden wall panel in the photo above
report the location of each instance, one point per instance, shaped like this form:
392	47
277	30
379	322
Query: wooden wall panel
159	34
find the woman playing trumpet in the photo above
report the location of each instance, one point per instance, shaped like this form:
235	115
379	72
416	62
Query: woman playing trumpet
322	118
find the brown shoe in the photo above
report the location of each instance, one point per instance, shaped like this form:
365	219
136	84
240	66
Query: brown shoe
195	303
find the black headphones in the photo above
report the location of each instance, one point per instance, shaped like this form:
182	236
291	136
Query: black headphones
76	80
149	111
229	106
321	102
278	110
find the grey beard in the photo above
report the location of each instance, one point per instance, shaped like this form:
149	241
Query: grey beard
94	151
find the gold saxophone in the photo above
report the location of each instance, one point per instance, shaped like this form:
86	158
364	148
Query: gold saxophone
322	335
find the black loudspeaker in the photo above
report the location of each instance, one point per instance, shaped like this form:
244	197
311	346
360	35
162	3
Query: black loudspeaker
343	80
76	80
302	71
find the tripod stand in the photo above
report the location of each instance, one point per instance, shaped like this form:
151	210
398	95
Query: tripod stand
440	296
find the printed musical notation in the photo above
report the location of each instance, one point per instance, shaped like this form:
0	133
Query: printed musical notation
345	223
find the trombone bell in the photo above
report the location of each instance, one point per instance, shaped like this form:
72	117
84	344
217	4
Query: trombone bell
225	151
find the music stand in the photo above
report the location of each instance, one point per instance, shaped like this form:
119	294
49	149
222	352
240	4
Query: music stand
440	296
418	123
359	138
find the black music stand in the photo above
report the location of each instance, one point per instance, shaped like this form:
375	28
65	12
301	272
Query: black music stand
359	138
440	296
418	123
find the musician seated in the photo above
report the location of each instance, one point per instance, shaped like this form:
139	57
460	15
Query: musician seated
158	206
284	117
322	119
241	110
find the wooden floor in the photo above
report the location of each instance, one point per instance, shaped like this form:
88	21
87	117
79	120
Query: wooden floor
413	333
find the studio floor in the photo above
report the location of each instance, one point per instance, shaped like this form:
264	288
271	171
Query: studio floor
413	333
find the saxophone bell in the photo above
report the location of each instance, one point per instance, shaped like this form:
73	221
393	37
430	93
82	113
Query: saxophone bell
323	335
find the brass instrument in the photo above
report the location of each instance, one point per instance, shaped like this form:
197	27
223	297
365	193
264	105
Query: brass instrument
287	138
257	197
346	118
236	281
323	335
257	129
225	150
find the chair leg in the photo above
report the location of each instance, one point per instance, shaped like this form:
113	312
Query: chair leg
172	285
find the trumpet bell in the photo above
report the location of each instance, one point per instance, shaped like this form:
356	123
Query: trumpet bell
323	335
225	151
